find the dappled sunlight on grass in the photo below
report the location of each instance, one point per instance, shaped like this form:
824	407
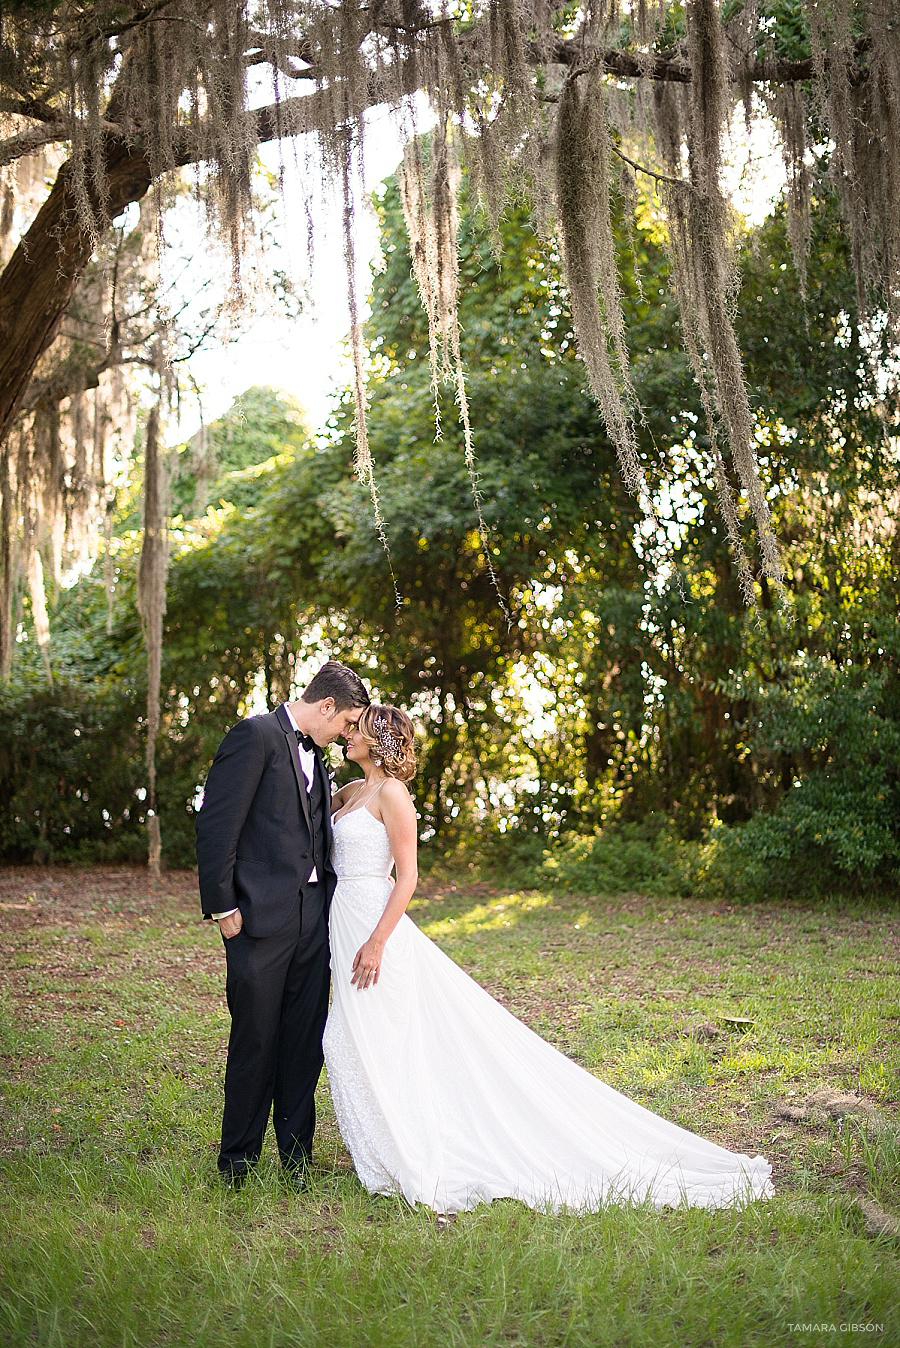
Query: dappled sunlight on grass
657	1063
752	1060
501	912
875	1080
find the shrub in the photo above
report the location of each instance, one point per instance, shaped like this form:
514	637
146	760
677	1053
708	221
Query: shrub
645	856
70	773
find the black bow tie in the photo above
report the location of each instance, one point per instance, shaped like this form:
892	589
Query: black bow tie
305	741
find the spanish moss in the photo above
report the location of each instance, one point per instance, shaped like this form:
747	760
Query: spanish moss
541	98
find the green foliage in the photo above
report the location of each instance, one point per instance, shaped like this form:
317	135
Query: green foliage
836	732
834	735
786	29
70	770
632	684
71	753
228	461
645	857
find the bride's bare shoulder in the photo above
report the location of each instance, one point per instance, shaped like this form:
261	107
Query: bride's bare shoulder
393	797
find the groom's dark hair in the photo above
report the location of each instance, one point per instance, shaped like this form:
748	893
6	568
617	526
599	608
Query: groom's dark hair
337	681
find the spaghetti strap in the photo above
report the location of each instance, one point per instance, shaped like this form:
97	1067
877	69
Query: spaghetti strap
352	807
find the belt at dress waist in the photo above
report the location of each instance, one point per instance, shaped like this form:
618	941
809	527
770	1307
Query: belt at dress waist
365	877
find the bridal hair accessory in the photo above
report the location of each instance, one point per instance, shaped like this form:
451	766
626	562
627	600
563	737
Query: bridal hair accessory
388	743
390	736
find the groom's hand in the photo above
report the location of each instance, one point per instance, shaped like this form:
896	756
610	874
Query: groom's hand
230	926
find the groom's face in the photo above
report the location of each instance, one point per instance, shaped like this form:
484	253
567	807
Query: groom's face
331	723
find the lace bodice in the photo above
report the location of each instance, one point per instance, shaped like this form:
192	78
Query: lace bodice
361	846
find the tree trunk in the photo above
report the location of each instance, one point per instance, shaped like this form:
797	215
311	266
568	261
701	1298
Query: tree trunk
38	281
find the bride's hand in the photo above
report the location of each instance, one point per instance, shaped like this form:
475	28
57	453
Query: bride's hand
367	965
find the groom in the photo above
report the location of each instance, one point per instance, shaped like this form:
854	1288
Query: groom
263	837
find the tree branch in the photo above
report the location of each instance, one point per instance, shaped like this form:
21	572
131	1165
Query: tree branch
142	16
672	67
281	64
302	49
36	109
651	173
38	281
68	380
26	142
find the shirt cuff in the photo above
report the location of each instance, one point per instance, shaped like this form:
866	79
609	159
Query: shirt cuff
215	916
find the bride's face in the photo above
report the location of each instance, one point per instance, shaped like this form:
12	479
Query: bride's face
355	747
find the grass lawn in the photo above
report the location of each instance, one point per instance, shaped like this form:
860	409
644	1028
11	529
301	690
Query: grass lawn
771	1029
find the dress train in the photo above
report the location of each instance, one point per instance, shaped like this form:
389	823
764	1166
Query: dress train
444	1096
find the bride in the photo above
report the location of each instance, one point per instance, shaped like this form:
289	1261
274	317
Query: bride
440	1093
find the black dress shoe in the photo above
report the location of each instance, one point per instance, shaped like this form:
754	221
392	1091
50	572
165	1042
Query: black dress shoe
235	1179
296	1177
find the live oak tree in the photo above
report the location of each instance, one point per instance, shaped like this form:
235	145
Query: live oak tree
553	97
566	105
690	710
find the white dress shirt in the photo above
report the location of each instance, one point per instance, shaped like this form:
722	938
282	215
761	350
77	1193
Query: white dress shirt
308	764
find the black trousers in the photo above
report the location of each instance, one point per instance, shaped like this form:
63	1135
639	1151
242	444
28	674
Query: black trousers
277	992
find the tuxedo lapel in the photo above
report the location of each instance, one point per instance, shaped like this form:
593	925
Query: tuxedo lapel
294	752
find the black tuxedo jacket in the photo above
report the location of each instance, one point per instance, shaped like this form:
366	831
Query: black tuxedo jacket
254	829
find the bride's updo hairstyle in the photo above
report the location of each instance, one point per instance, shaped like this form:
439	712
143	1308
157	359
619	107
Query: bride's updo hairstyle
390	738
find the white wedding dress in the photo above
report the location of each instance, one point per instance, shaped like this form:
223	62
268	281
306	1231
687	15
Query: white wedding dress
443	1096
